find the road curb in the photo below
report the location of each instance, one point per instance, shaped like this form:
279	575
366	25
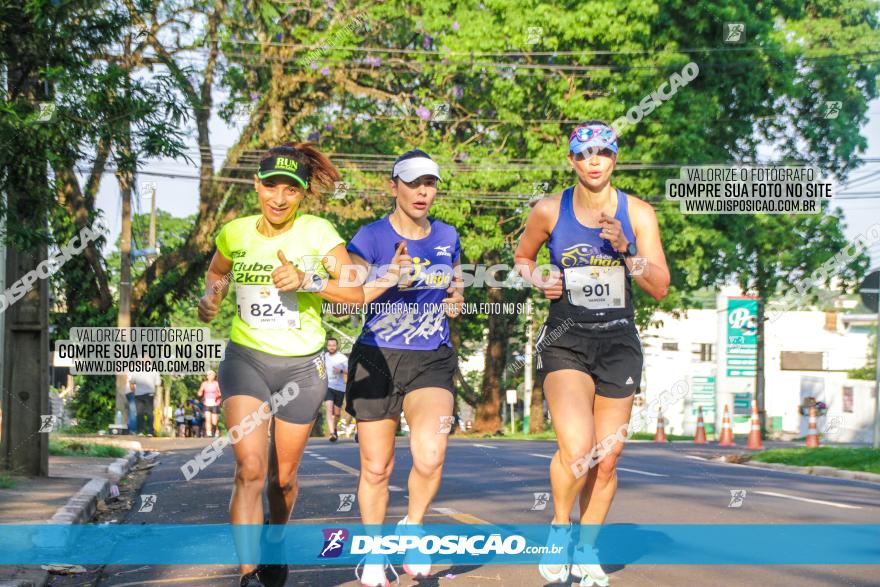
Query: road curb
817	470
821	471
80	508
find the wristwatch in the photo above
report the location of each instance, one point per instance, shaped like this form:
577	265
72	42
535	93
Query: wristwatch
630	250
316	284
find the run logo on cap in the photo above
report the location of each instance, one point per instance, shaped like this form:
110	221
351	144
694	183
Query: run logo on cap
413	165
288	162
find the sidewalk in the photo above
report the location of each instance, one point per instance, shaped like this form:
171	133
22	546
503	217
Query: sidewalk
68	495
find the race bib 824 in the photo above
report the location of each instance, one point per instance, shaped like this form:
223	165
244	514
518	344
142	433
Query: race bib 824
263	306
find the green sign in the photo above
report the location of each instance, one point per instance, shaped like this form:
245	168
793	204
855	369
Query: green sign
742	337
742	404
703	393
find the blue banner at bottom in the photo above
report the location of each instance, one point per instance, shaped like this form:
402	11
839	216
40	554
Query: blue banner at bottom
340	544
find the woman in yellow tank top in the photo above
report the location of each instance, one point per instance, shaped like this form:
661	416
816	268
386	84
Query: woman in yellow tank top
283	263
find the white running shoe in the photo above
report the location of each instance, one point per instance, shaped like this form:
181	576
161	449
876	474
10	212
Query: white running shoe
415	564
373	573
586	566
552	566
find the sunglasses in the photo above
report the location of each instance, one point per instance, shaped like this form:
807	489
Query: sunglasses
586	133
588	154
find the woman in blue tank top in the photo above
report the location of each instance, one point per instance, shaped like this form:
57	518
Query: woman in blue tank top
403	360
600	239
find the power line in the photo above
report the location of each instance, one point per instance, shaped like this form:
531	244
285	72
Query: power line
442	53
458	194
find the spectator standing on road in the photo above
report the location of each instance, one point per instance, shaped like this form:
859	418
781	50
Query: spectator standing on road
198	418
143	385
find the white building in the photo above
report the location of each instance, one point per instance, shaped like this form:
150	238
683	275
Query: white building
807	355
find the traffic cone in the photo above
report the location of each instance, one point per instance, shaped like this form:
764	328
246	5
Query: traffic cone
660	435
754	442
726	430
700	437
812	435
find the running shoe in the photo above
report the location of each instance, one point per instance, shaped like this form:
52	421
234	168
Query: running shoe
273	575
334	437
415	563
373	573
553	567
251	580
586	566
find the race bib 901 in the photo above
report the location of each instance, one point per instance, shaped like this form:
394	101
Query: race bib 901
596	288
263	306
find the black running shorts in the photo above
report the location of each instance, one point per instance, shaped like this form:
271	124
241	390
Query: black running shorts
610	353
334	395
379	378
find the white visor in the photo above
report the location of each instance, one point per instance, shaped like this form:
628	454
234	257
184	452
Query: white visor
415	167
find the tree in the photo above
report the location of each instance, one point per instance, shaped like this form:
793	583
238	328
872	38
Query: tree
42	45
869	371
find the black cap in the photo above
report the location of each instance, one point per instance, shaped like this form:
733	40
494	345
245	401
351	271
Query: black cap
286	161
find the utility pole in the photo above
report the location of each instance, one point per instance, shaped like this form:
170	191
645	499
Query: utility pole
527	383
124	177
876	443
152	238
759	365
24	449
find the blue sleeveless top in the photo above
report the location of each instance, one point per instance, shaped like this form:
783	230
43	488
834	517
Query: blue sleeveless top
412	318
598	295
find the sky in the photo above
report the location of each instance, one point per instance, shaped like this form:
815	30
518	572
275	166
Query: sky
179	196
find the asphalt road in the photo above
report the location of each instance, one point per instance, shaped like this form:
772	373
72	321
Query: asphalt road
492	481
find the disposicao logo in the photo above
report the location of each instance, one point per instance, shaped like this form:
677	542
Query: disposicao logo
334	542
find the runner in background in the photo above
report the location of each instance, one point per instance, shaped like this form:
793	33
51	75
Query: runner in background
277	335
198	418
210	394
179	414
337	372
591	370
403	359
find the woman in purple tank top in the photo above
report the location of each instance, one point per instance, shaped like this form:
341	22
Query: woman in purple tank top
600	239
403	360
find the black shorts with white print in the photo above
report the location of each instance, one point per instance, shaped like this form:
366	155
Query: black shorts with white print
610	353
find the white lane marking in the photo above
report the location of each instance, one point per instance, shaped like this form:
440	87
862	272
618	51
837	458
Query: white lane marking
394	488
534	454
445	511
483	445
819	501
320	458
641	472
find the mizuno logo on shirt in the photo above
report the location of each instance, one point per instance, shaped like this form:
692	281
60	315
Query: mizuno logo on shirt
443	251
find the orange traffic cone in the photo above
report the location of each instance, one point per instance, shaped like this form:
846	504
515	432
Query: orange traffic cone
700	437
812	435
726	430
754	441
660	435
